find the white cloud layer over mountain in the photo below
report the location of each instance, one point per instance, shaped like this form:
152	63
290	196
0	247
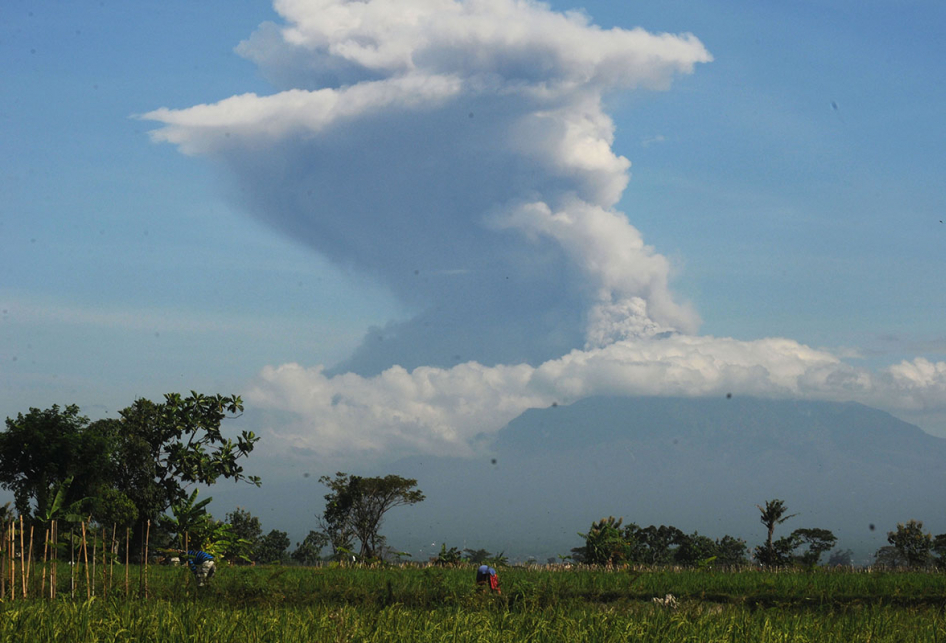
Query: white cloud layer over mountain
459	153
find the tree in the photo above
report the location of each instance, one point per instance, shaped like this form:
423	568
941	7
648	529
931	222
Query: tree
605	544
695	550
309	551
41	450
357	505
818	541
774	554
161	449
889	557
448	557
248	528
157	451
658	543
731	551
476	556
912	543
188	521
273	546
841	558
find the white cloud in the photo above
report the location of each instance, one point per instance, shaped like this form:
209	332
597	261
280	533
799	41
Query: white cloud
441	411
256	120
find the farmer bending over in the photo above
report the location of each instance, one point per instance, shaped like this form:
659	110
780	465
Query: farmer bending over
486	576
202	565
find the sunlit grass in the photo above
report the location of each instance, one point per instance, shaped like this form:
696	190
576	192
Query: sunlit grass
410	604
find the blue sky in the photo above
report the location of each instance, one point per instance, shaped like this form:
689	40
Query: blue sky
789	191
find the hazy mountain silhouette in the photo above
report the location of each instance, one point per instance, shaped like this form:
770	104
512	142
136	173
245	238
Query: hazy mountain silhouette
699	464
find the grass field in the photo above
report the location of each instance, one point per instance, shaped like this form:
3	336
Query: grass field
432	604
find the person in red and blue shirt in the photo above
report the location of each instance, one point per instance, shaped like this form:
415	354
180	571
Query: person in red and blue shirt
486	576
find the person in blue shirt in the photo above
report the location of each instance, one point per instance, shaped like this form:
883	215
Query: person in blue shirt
202	565
486	576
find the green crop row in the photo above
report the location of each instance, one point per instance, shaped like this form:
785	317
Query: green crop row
163	621
436	604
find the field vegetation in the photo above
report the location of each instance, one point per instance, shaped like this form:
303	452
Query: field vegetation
553	603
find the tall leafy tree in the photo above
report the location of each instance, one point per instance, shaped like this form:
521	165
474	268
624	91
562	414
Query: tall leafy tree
248	528
359	504
160	449
43	449
659	543
816	542
273	546
130	469
914	545
309	551
731	551
695	550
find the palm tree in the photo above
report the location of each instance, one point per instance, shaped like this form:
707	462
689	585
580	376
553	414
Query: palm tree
772	514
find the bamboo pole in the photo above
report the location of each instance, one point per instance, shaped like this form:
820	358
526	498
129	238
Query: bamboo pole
85	555
3	562
29	560
72	562
95	543
127	536
55	558
111	560
141	566
22	558
42	587
104	566
147	543
5	557
13	560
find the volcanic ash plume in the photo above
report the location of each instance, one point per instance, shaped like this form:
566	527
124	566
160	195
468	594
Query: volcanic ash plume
459	153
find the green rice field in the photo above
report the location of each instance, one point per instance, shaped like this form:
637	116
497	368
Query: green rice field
435	604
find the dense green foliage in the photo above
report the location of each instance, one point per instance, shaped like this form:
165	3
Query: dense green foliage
123	471
610	542
442	604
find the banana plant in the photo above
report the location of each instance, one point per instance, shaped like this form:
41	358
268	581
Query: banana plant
188	516
58	510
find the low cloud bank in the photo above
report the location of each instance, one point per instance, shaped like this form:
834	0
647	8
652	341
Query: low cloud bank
443	411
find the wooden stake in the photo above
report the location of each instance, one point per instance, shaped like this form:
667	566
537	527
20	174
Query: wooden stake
72	561
127	536
42	587
147	542
85	555
13	559
22	559
29	559
94	551
141	566
53	574
111	561
3	564
104	567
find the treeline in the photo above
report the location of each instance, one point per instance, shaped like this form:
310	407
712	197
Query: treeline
129	475
609	542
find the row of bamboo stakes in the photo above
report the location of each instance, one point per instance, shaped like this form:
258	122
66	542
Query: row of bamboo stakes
18	576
